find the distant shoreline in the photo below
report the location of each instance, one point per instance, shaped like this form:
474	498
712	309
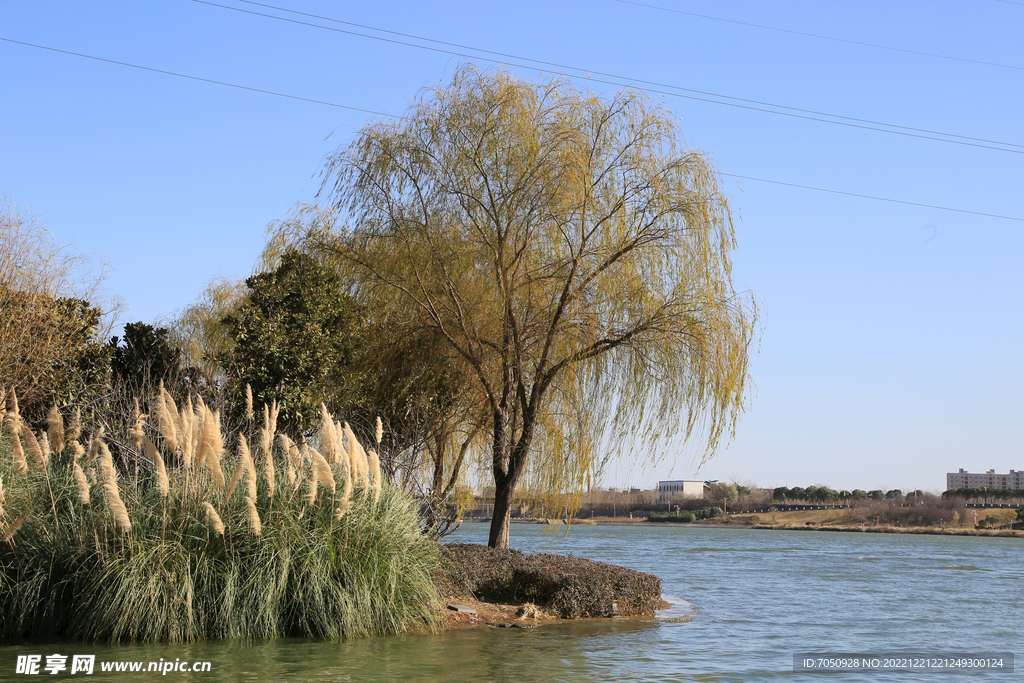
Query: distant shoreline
928	531
639	521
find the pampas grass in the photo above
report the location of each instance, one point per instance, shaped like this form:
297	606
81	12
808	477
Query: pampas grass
248	403
252	516
18	454
81	483
34	452
267	432
8	536
12	420
167	418
374	467
213	519
340	566
55	429
44	447
138	422
74	431
162	483
111	494
245	466
357	456
187	434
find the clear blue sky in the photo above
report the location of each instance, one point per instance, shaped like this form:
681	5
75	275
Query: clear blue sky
891	345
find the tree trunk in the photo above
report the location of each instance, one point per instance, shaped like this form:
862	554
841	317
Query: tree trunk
502	515
505	486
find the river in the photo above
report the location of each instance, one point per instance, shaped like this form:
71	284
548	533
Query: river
757	599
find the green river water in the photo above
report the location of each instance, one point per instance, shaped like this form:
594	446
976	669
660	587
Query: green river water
757	599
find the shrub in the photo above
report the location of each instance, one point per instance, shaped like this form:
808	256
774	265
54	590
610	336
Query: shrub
568	587
708	513
684	516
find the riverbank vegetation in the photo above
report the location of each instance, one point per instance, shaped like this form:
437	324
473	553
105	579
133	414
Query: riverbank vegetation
180	531
955	519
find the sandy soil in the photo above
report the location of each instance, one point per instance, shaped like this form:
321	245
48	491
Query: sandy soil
492	614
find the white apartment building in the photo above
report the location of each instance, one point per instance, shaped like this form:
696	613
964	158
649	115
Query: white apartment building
967	480
680	488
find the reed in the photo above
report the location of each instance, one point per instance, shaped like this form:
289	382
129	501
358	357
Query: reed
164	555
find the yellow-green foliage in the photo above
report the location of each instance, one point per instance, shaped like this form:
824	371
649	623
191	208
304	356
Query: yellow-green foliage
155	550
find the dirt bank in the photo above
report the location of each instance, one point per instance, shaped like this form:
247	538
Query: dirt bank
487	586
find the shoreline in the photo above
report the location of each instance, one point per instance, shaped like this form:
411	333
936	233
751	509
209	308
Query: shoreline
928	531
925	531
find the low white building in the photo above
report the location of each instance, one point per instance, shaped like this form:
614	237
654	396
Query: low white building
967	480
680	488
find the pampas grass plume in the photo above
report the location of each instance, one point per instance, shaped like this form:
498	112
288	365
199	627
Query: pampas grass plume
138	421
213	519
158	462
117	508
380	431
252	516
12	421
248	403
321	474
44	447
81	484
250	467
74	430
34	451
287	446
18	455
245	466
327	447
267	444
8	536
215	449
167	418
374	466
106	462
94	446
55	429
356	460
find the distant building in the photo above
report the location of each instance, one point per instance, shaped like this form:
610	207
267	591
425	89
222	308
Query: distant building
966	480
680	488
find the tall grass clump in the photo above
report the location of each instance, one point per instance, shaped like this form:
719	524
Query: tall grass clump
149	545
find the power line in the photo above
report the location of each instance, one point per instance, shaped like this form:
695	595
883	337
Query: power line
877	199
385	114
737	102
194	78
816	35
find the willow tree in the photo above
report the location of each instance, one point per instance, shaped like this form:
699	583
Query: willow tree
572	252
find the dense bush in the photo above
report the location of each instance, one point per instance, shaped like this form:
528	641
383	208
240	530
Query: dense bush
684	516
568	587
929	511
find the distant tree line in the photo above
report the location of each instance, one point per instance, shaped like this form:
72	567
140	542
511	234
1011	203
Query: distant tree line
980	495
824	494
